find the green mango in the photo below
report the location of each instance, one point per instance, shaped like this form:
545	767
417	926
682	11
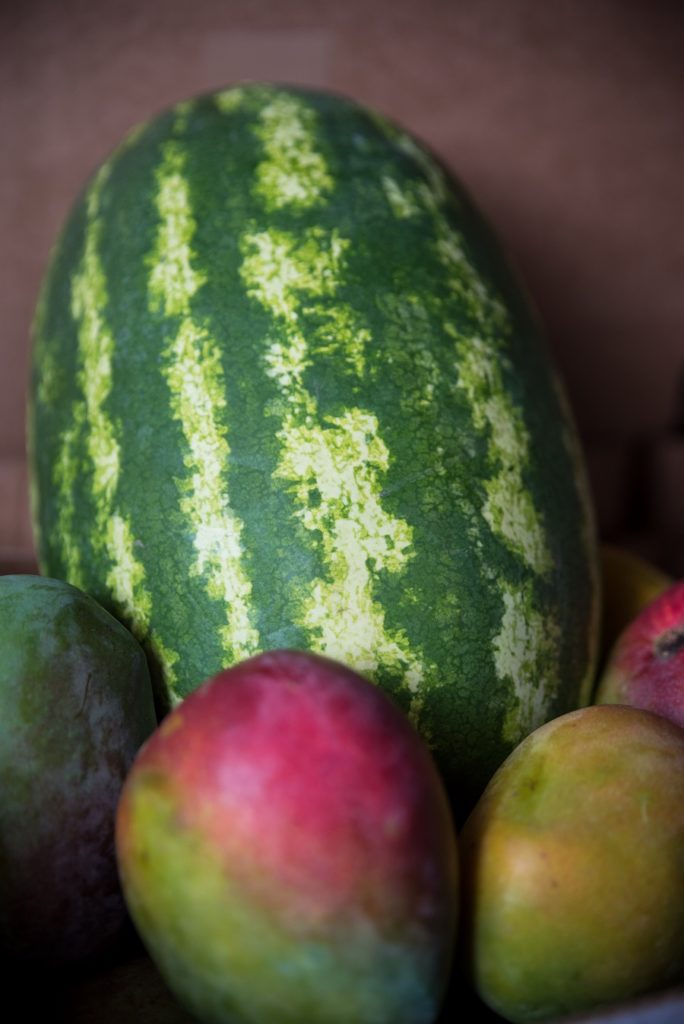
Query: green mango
573	867
76	703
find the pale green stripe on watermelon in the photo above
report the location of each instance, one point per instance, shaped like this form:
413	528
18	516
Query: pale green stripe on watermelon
49	384
403	204
67	466
173	281
527	643
335	467
335	464
434	190
293	172
48	388
510	509
126	575
277	268
96	344
197	387
113	535
182	114
524	650
66	472
230	100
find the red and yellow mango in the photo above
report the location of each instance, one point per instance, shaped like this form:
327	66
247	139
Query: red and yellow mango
287	850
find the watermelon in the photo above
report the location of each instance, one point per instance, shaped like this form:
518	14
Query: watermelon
287	393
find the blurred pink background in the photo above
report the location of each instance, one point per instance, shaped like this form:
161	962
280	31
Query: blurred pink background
564	120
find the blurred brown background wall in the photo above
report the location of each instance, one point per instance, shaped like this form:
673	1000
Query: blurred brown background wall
565	120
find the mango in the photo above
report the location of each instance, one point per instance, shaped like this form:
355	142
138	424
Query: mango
646	665
287	851
75	705
573	867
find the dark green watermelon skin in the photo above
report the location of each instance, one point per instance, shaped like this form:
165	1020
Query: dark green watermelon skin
287	393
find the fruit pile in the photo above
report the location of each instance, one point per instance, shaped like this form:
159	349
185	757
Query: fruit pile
308	694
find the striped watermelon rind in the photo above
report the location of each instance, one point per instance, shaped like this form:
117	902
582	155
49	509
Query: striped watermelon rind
287	393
